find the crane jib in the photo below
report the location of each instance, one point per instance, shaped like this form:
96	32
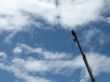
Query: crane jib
83	55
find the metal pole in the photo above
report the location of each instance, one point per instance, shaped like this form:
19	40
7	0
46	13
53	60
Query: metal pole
84	56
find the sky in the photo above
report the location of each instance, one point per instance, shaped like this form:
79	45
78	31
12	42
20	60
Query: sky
36	44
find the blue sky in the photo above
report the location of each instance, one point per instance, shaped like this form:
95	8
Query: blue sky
36	44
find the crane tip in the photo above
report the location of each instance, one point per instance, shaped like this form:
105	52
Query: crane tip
73	32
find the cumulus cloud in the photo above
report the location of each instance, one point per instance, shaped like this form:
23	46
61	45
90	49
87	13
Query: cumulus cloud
78	12
67	12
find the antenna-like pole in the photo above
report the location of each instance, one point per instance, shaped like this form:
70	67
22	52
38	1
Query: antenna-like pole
84	56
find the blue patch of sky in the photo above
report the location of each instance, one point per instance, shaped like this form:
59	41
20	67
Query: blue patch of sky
6	76
103	77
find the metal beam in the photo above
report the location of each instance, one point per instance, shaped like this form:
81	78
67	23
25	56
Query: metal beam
84	56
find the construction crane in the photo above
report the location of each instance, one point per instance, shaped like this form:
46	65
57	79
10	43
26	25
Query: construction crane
83	56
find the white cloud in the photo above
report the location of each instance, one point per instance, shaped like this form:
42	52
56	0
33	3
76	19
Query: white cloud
70	12
43	66
107	20
3	56
23	48
17	50
92	36
99	64
13	23
10	36
76	62
79	12
21	73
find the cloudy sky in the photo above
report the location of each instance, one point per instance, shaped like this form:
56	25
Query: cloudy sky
36	44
